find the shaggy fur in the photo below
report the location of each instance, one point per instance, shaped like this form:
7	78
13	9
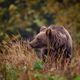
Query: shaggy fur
53	40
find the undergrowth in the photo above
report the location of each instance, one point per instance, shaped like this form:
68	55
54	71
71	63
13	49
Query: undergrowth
20	62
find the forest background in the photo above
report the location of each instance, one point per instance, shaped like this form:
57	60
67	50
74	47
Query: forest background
23	19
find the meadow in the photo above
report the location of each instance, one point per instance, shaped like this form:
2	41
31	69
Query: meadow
20	62
20	21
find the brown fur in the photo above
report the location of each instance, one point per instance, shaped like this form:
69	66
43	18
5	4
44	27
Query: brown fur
57	40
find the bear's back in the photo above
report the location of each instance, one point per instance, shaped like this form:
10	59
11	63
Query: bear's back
58	28
63	31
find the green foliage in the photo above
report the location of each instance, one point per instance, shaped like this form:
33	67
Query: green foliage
11	73
39	76
18	15
38	66
47	77
76	77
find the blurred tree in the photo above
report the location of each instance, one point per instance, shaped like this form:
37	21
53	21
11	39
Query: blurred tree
25	17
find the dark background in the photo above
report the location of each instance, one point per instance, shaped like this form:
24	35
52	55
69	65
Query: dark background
23	18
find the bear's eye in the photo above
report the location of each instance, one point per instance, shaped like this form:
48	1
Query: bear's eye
38	39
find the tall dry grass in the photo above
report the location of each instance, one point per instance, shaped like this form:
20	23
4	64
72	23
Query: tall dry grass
21	56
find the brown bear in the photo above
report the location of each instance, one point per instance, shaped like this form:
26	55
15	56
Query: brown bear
55	39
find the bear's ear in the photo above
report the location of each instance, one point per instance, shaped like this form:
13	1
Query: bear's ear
43	28
49	33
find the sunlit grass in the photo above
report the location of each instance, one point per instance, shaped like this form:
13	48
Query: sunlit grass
20	62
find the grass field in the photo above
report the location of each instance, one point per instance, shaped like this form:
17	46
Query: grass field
20	62
23	19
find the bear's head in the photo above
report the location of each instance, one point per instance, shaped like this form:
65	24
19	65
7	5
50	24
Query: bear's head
41	38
